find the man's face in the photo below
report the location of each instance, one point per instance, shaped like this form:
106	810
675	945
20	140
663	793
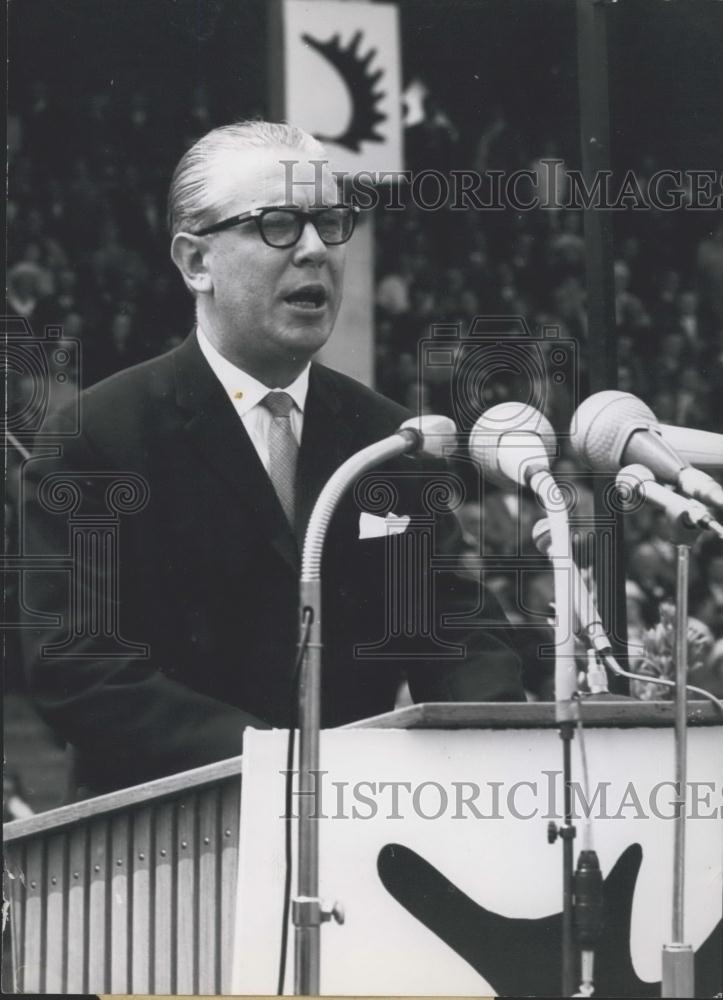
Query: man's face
270	306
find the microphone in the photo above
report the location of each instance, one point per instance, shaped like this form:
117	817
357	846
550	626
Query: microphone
430	434
611	429
589	913
701	448
588	619
511	442
638	481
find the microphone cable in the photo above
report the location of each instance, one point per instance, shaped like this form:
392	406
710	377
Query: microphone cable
612	665
288	791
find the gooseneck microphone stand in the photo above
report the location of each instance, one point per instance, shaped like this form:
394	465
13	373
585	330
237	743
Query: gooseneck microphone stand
678	957
546	489
687	522
308	911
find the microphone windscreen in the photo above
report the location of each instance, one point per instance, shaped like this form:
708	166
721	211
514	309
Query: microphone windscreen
516	421
438	434
541	536
602	425
630	479
635	472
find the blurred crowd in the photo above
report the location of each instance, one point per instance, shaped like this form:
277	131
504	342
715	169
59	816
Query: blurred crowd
87	239
445	268
448	266
88	251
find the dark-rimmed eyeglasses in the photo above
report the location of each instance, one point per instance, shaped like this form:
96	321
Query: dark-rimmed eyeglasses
281	227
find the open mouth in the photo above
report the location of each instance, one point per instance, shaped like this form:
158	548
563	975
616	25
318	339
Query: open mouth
307	297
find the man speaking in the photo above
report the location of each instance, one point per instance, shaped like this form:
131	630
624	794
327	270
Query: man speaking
232	436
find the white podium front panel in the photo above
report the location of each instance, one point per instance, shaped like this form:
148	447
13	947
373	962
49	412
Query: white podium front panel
436	844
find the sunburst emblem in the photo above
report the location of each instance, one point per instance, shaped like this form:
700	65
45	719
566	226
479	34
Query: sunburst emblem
354	69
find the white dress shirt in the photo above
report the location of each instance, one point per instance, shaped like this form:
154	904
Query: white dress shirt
246	393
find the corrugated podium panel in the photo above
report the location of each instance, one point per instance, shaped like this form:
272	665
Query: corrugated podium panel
78	915
132	892
141	882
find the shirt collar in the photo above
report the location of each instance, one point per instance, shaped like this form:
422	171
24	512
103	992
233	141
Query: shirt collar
243	389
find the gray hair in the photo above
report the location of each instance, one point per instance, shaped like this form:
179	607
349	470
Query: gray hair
189	206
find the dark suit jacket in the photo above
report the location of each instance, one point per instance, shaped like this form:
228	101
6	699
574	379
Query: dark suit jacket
208	576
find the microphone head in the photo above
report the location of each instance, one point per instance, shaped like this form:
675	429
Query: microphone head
629	480
603	424
437	435
636	472
524	429
541	536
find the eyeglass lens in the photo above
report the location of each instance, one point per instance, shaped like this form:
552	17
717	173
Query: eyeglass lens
284	227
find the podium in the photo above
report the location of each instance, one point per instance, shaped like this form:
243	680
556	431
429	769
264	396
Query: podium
174	886
131	892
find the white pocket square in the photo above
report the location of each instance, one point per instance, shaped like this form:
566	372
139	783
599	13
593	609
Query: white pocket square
372	526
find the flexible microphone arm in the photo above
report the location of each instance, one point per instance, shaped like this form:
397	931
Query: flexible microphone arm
586	613
432	434
326	504
545	488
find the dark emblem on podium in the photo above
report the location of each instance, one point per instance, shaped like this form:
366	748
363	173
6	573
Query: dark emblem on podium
521	957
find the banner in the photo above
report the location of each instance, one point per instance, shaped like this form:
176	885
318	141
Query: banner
342	79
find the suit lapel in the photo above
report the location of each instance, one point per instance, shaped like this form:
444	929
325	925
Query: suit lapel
215	431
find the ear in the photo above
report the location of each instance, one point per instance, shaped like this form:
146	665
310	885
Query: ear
190	255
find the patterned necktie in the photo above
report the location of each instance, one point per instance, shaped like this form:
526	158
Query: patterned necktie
283	450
